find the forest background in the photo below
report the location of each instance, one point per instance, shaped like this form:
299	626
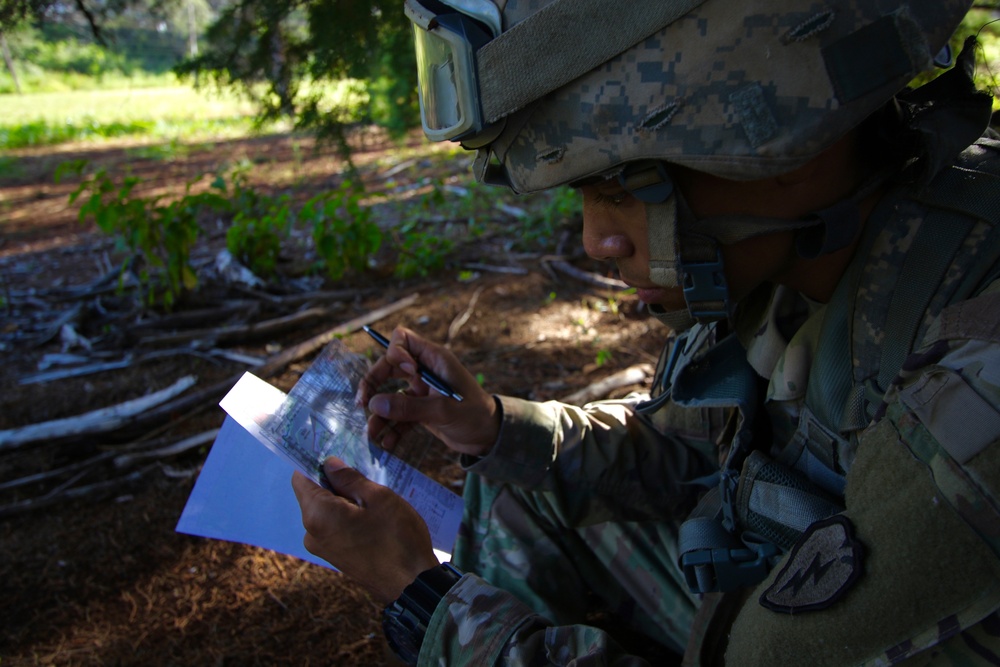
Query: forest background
195	188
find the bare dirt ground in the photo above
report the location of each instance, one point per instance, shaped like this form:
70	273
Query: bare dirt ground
93	572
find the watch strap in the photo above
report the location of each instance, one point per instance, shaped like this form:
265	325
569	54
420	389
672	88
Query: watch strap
405	620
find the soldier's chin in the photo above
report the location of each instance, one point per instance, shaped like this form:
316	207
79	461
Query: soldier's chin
666	298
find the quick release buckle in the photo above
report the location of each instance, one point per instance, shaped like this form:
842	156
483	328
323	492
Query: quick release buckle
724	569
705	288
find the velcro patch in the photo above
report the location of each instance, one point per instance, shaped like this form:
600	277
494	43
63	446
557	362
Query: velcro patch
821	567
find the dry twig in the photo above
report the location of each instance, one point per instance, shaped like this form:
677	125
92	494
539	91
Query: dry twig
240	331
98	421
459	322
583	276
631	375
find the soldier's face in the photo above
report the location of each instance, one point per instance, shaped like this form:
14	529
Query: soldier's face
614	228
614	225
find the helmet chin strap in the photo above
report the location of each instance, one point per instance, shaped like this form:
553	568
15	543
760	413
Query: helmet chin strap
679	256
686	252
664	260
685	258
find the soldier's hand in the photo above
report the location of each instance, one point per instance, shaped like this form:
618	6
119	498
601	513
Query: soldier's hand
469	426
364	529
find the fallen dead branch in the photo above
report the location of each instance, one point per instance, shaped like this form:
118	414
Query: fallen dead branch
583	276
98	421
57	472
291	300
459	322
278	362
123	455
135	360
55	326
204	438
513	270
245	308
145	413
240	332
62	494
269	368
631	375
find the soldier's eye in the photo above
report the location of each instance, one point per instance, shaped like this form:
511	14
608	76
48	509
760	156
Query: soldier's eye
611	200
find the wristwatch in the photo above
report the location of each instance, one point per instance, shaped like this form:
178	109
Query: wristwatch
404	622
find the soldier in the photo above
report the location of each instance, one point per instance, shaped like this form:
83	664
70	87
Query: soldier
815	475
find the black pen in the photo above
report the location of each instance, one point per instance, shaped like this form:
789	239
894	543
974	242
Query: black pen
425	374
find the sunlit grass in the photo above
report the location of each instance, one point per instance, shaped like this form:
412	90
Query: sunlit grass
121	105
41	119
45	133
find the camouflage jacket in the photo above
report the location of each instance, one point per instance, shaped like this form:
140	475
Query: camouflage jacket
919	450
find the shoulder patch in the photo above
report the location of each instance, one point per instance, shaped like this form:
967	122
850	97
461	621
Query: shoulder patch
819	570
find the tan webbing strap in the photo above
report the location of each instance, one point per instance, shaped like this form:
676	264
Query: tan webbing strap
561	42
661	229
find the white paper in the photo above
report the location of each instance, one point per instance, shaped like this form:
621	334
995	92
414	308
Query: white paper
304	441
244	492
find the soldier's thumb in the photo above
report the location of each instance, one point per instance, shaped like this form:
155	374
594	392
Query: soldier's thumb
345	481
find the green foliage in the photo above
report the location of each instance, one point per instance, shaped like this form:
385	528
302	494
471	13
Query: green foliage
50	133
563	205
162	234
603	356
54	57
69	55
983	24
45	133
393	83
9	166
979	21
342	229
285	56
259	225
420	252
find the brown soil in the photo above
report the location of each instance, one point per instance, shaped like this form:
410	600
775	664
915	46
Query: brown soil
103	579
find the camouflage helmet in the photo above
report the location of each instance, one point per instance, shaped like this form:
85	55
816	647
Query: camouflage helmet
739	91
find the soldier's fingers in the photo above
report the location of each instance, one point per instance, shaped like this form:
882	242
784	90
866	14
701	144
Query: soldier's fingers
322	511
385	433
347	482
430	410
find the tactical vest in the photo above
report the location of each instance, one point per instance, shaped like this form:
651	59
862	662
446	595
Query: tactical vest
758	506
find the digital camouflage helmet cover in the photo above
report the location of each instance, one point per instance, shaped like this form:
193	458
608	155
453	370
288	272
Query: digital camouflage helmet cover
552	92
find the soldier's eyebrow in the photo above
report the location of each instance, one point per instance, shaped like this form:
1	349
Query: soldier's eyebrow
597	179
609	186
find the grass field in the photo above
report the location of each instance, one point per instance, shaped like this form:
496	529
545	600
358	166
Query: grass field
174	103
38	119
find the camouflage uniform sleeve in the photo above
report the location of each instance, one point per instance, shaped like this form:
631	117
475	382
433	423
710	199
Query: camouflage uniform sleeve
478	624
602	461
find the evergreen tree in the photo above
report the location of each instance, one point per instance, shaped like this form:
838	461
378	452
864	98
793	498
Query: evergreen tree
285	54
